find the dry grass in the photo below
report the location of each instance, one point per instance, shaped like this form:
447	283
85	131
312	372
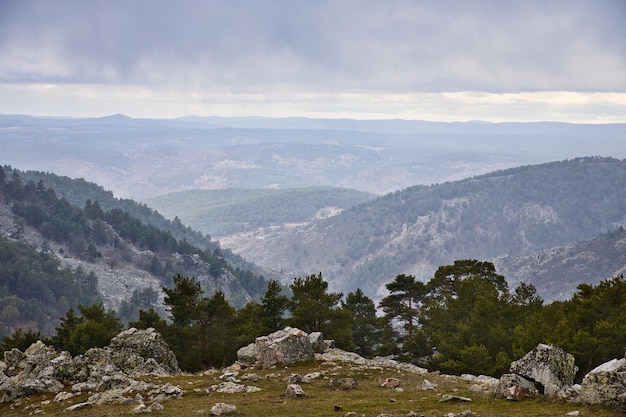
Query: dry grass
370	399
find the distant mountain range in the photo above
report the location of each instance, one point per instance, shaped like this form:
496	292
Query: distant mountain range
144	158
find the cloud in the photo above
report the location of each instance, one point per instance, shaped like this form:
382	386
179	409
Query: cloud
274	49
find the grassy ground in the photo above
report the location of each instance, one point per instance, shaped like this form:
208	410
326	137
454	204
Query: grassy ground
369	399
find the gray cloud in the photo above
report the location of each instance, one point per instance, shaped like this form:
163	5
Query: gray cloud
408	46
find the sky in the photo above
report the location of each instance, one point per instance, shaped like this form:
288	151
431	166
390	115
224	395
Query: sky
526	60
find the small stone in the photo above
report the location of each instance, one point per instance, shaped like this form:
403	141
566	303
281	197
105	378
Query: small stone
223	409
391	383
427	385
294	391
454	398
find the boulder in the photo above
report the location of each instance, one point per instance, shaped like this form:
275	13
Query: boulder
284	347
547	365
606	384
246	356
515	387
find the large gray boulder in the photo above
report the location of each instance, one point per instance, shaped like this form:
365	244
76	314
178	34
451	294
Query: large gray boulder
284	347
606	384
547	365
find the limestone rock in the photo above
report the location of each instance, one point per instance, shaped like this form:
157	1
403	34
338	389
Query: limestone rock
547	365
606	384
107	372
317	342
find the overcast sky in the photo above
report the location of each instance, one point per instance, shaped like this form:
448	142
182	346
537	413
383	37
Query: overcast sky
429	60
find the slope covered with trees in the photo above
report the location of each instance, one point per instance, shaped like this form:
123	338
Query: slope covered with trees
38	282
230	211
518	211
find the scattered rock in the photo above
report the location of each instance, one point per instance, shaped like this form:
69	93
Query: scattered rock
391	383
294	391
447	397
223	409
294	379
343	383
428	386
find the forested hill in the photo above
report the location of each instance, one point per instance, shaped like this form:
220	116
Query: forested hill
230	211
77	191
55	255
517	211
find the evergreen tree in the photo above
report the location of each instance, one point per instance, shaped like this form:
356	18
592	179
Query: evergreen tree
402	305
94	328
273	307
365	331
312	304
314	309
183	300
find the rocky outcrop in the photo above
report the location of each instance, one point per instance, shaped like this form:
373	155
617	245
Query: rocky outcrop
108	371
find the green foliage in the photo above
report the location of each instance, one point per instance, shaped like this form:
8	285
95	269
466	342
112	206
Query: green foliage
314	309
365	331
591	325
35	290
273	307
20	339
401	306
93	328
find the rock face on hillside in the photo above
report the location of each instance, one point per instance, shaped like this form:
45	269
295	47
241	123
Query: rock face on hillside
109	371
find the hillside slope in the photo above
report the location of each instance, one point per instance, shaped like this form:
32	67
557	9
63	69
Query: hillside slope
516	212
230	211
108	255
556	272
